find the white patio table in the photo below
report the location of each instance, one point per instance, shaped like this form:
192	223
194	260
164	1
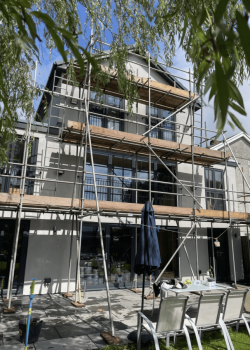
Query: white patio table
195	288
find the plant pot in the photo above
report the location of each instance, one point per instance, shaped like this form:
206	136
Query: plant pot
211	279
34	332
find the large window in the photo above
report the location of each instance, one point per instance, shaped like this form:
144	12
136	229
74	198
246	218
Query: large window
122	176
101	171
112	117
166	129
214	189
11	184
122	169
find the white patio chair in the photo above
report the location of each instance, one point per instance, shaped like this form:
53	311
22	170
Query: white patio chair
208	317
170	322
234	308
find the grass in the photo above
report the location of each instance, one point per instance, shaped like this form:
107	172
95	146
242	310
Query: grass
211	341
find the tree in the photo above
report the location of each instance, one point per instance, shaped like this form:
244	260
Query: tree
213	33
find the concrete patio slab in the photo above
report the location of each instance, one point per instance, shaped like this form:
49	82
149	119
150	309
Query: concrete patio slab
82	343
76	330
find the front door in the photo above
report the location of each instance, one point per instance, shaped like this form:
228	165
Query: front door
7	229
221	255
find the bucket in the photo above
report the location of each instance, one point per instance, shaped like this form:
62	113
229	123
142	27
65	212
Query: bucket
34	332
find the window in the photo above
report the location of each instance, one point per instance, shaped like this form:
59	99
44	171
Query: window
122	169
121	185
11	184
166	129
163	175
214	184
101	170
110	118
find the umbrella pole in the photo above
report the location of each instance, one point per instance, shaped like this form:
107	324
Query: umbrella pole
143	288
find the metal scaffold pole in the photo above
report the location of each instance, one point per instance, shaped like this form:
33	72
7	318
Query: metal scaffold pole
229	209
97	201
192	109
149	134
19	213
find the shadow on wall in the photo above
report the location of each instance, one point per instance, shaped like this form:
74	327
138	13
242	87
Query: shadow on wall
187	201
68	160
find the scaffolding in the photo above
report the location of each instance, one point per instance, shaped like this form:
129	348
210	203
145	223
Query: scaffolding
84	136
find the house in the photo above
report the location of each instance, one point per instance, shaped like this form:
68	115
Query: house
185	181
239	144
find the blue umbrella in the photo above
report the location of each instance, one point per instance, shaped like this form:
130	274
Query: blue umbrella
148	256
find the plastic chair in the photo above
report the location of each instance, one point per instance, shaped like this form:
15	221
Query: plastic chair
209	317
170	322
234	308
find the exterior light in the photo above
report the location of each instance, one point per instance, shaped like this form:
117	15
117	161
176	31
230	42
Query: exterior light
73	101
217	243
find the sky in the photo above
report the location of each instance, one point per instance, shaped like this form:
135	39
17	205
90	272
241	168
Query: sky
179	61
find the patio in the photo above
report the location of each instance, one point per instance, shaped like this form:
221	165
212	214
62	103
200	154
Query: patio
64	326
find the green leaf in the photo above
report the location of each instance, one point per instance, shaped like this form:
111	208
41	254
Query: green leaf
223	94
235	93
31	25
237	108
231	69
184	29
246	3
209	82
202	70
203	16
212	91
236	121
44	17
244	35
220	10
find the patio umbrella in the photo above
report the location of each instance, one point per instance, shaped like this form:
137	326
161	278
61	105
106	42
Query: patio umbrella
148	256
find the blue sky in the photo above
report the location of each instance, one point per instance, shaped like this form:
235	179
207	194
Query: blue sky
179	61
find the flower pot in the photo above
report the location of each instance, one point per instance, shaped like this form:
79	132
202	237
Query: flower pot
34	332
211	279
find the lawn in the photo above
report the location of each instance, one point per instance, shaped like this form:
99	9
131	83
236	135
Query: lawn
211	341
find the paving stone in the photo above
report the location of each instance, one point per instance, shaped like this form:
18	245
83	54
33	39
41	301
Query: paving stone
130	322
52	321
48	333
11	338
123	335
117	324
9	326
16	347
75	330
97	340
77	343
58	312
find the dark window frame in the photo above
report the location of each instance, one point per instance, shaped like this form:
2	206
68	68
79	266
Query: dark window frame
107	111
168	128
10	182
127	195
213	204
